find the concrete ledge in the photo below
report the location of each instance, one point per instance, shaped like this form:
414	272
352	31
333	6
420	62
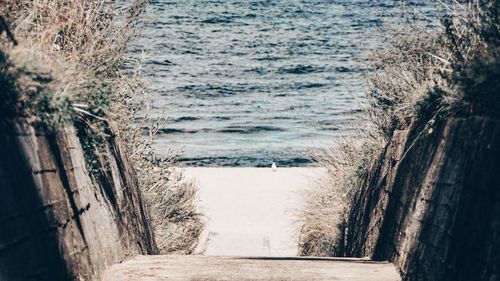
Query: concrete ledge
181	268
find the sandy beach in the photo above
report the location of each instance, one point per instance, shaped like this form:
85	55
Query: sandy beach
250	211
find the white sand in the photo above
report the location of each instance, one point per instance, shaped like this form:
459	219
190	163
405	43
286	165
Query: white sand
250	211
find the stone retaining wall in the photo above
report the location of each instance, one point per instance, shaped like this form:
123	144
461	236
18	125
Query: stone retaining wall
431	202
56	221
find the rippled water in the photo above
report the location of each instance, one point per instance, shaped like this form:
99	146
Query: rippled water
248	83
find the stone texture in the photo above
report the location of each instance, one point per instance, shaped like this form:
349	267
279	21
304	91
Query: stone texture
431	202
56	221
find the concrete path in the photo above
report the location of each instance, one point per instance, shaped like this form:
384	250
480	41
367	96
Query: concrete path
250	211
251	230
204	268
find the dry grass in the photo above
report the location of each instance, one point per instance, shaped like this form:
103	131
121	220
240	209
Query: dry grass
177	224
422	75
328	201
79	47
433	73
82	34
81	43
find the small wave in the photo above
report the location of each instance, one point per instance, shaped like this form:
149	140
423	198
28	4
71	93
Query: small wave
223	90
295	162
164	62
300	69
309	85
258	70
192	52
268	118
177	17
222	118
342	69
186	118
294	107
216	20
350	112
176	131
269	58
283	118
208	90
250	130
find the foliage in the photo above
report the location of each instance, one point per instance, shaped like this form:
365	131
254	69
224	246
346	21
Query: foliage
424	74
171	198
455	66
68	70
328	201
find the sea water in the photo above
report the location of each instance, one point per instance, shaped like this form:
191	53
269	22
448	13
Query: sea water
249	83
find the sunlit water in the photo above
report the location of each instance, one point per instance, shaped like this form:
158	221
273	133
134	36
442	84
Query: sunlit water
248	83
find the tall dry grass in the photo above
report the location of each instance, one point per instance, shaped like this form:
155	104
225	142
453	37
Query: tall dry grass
434	73
326	203
79	47
424	74
171	198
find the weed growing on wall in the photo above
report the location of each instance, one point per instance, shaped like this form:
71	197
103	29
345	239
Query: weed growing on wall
67	70
424	75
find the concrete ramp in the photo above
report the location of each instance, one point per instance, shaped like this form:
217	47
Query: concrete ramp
251	211
213	268
226	244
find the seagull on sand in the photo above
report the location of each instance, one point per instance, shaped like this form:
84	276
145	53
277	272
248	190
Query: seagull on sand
274	167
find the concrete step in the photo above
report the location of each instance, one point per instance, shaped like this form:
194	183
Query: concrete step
218	268
227	244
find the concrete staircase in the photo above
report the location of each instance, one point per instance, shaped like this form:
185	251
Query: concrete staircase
249	235
218	268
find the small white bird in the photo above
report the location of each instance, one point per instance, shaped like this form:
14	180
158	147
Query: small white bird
274	167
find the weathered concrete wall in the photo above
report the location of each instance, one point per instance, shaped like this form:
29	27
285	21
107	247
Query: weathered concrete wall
431	202
56	222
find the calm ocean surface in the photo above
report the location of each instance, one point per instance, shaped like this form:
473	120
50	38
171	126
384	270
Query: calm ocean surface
248	83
